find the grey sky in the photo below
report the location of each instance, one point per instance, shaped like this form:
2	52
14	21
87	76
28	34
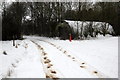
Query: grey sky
62	0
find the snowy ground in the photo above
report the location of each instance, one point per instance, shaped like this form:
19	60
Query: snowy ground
40	57
20	62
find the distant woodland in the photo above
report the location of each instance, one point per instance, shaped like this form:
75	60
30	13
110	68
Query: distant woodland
42	18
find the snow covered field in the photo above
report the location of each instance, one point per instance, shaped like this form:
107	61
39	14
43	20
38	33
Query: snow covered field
20	62
41	57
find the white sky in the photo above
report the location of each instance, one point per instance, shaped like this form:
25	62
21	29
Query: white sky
60	0
10	0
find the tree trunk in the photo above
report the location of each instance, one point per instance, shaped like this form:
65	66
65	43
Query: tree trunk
13	40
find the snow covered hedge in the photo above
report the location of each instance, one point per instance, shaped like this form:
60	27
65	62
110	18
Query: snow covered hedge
90	28
63	30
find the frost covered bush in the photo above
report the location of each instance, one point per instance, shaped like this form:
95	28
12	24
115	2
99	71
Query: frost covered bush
63	30
88	29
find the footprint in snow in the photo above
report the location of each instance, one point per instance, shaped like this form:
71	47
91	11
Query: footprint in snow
45	57
49	65
41	48
95	72
65	52
83	63
47	61
4	52
73	58
17	61
52	71
82	66
69	55
44	53
14	65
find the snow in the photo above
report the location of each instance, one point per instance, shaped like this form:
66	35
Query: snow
101	54
21	62
94	58
64	65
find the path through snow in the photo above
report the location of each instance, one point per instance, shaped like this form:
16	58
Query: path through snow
40	57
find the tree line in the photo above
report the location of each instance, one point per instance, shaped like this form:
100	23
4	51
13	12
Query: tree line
42	18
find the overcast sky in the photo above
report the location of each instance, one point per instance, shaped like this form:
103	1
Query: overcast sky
61	0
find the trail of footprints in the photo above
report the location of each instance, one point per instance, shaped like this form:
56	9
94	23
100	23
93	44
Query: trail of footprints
14	64
47	65
81	63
